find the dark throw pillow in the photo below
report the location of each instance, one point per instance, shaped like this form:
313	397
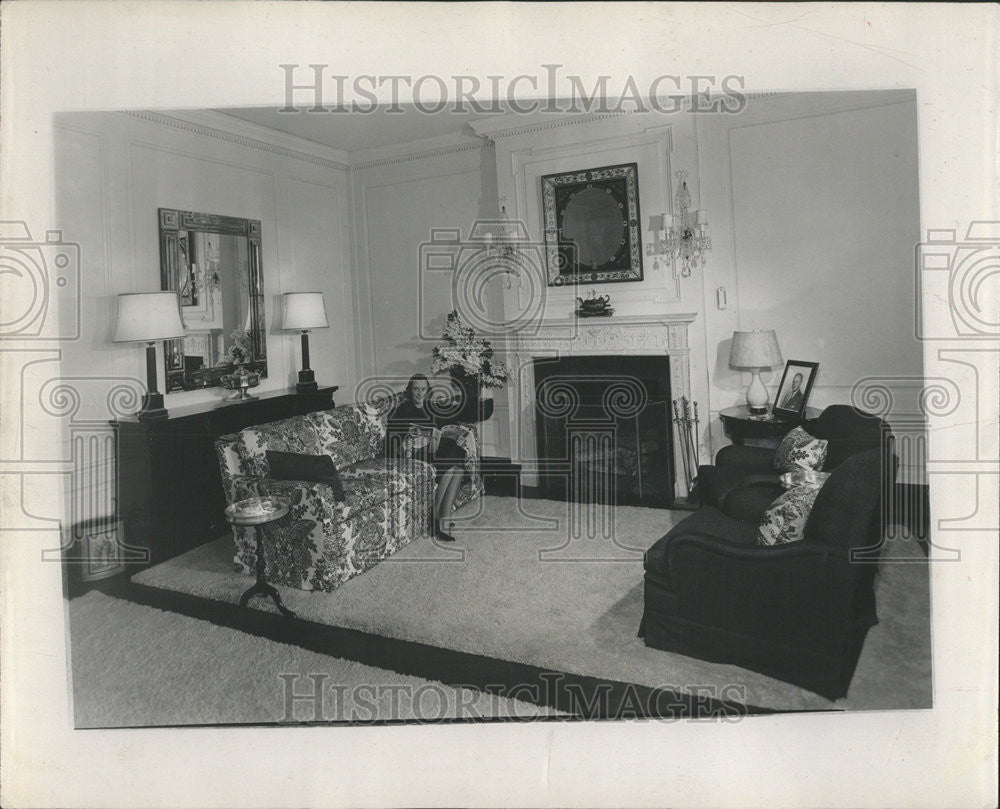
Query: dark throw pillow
313	468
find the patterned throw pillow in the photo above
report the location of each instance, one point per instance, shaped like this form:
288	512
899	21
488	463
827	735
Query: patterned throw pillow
785	519
799	450
296	434
350	433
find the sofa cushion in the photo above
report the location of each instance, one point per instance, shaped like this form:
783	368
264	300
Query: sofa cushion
748	502
848	431
848	502
296	434
371	483
800	450
785	520
707	522
350	433
299	466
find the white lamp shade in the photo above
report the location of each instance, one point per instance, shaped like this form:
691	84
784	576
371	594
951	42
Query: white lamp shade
148	316
303	310
755	349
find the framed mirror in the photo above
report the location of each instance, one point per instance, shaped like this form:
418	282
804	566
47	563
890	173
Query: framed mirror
591	221
213	263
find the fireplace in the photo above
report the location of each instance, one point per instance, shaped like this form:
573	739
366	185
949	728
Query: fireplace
603	429
647	337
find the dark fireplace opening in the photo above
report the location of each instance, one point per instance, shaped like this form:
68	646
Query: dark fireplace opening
603	428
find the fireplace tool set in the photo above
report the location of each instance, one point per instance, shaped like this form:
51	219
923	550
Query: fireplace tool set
686	419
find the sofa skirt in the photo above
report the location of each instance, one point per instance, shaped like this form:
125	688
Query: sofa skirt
825	671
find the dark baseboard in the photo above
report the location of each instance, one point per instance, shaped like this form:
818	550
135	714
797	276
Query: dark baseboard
679	504
501	476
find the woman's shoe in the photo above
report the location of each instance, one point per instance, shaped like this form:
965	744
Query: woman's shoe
440	534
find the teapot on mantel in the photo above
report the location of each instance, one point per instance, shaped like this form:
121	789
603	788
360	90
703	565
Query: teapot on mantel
595	303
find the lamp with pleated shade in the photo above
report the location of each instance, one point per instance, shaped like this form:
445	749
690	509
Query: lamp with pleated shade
304	311
145	317
755	351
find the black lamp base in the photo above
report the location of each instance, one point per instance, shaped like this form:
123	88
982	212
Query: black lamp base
757	411
152	408
307	381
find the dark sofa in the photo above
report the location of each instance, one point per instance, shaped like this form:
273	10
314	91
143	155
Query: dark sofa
743	482
797	612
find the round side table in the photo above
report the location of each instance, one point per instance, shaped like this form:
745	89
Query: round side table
258	512
768	430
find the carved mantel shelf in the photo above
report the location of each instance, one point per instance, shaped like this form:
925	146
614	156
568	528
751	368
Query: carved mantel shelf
653	333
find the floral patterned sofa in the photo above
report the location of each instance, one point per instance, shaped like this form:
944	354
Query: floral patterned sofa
322	542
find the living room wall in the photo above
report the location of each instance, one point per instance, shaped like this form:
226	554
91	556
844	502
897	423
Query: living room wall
812	202
814	199
414	209
660	144
116	169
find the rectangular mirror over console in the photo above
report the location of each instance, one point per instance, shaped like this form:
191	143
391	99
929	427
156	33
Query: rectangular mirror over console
213	264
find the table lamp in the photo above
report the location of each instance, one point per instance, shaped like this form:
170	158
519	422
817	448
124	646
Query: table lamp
755	351
145	317
302	311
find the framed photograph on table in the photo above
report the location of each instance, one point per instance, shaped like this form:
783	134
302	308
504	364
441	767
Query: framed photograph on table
793	392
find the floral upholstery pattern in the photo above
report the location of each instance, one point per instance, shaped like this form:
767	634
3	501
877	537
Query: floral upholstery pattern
322	543
785	520
297	434
799	450
350	434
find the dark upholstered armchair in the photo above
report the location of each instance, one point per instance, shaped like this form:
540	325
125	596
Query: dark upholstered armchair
797	612
743	482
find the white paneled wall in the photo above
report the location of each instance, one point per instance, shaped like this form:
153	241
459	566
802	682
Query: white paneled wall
413	215
816	218
114	171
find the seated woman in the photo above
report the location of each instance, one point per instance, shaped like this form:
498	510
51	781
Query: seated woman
411	419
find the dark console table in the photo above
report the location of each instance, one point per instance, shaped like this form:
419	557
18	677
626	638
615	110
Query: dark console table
742	428
169	488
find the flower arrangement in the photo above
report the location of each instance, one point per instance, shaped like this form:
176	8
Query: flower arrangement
461	353
241	351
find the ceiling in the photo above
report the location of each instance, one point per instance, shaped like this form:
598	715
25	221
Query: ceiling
352	131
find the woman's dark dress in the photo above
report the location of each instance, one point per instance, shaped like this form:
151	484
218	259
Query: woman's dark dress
448	453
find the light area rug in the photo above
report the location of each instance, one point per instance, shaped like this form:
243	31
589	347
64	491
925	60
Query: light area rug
135	666
559	586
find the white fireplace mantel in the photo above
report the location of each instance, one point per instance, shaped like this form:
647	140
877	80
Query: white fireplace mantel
648	334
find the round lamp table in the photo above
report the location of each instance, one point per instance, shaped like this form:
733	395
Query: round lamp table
258	512
766	430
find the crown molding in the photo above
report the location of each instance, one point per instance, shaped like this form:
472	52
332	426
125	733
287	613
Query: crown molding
220	126
504	126
414	150
513	124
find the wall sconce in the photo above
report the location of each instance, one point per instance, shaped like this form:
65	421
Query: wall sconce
684	232
504	251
